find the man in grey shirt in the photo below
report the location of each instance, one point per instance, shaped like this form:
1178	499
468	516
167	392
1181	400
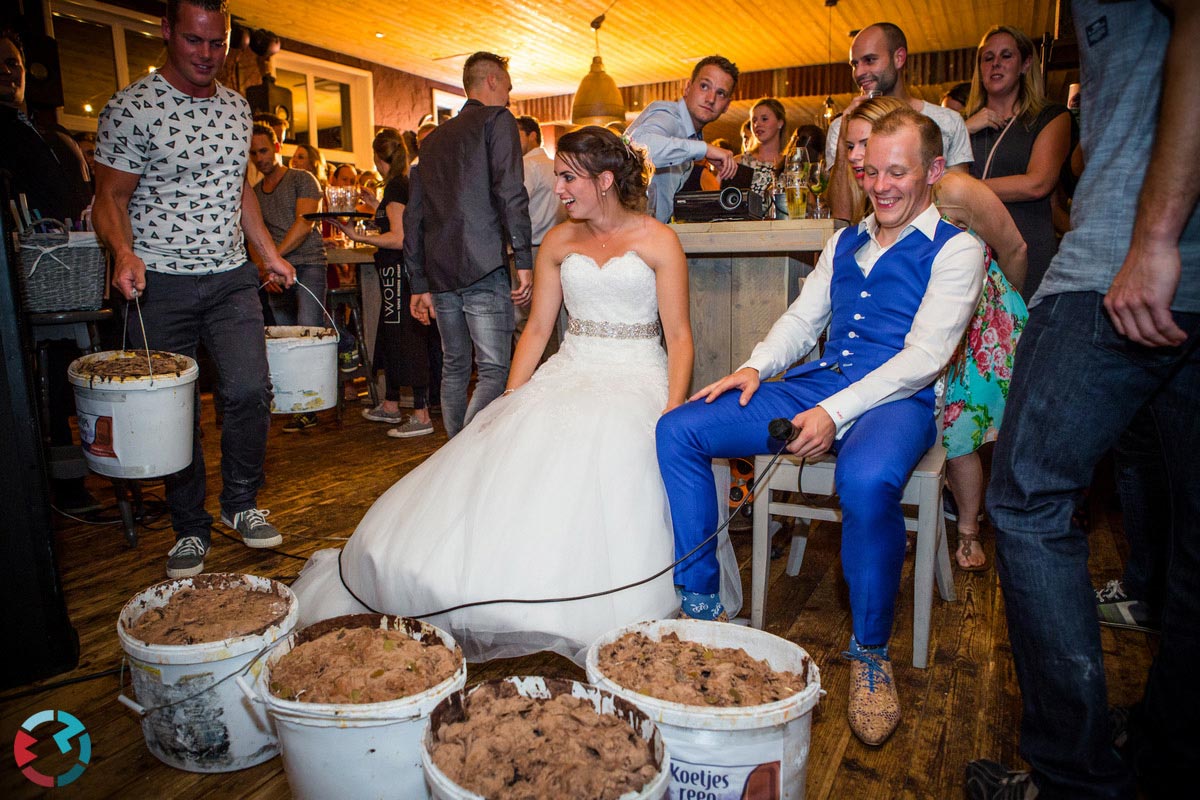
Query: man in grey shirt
466	205
1114	330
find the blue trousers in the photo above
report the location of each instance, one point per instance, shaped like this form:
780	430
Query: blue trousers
874	460
1076	387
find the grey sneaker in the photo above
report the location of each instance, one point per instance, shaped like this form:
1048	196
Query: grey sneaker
411	427
378	414
253	526
990	780
186	557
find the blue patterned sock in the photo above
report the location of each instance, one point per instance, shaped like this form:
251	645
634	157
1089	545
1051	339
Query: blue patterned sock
701	606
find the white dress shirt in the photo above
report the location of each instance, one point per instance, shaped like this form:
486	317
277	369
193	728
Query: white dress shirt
672	143
955	281
545	210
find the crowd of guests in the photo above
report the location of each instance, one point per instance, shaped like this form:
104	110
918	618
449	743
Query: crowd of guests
949	307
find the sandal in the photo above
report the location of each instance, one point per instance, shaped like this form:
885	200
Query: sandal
967	543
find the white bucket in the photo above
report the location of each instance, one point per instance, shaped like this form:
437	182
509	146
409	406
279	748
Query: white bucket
714	750
135	427
218	730
451	710
357	750
303	365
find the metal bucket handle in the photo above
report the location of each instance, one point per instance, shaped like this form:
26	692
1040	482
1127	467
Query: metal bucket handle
337	336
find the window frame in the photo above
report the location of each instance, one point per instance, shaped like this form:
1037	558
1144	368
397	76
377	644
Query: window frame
362	105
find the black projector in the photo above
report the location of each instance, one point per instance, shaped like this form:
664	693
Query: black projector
727	205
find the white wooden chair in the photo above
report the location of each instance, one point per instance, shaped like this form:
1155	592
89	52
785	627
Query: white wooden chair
923	490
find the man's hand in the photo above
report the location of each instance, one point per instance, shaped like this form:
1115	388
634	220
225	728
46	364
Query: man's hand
722	161
281	271
816	433
524	291
129	276
1139	299
745	379
421	307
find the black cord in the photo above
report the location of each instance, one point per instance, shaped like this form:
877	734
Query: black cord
91	676
588	596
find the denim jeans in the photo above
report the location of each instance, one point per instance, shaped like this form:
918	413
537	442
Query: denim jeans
295	306
1077	384
479	316
223	311
1144	489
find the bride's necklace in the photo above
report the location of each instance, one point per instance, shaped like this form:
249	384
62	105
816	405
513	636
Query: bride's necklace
611	236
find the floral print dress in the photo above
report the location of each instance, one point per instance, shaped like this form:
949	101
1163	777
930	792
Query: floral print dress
981	369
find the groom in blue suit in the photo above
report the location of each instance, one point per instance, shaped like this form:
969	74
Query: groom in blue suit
897	293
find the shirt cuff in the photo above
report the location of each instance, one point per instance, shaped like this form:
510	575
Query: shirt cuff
843	407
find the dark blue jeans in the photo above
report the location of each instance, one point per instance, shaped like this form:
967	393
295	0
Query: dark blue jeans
475	318
1144	489
1077	384
223	311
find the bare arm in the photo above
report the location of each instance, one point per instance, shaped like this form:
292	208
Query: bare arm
1045	163
671	287
970	202
1139	300
301	227
256	231
110	217
392	240
547	299
842	187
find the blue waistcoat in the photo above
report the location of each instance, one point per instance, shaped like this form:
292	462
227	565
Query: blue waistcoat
871	314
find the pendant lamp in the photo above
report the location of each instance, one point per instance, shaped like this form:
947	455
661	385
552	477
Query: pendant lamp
598	100
829	110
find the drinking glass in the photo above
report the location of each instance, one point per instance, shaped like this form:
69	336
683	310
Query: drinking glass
818	182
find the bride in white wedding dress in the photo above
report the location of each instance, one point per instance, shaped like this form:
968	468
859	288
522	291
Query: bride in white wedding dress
553	490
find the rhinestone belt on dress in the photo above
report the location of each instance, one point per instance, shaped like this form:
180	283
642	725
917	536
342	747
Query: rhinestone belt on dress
614	330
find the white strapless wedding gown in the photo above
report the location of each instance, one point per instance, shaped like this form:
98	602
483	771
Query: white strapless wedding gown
551	491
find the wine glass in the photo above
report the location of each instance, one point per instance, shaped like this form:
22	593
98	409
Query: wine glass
818	183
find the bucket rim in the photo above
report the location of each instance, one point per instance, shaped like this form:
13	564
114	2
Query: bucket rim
655	788
668	712
188	375
327	335
411	706
231	647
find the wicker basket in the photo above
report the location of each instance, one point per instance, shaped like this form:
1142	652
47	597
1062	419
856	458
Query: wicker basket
61	270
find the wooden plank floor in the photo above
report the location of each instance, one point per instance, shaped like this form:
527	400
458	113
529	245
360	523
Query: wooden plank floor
320	482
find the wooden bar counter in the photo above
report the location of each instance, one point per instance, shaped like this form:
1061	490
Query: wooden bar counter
742	276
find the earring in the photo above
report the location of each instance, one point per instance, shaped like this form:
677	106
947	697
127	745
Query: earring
604	193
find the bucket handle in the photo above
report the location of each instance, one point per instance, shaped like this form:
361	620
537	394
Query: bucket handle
138	708
337	337
247	690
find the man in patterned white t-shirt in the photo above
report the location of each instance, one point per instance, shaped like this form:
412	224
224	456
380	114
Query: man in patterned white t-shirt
172	205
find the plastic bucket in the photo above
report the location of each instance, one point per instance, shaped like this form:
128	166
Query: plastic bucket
357	750
451	710
135	427
715	751
217	729
303	365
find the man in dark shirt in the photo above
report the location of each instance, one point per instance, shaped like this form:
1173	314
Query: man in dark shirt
467	203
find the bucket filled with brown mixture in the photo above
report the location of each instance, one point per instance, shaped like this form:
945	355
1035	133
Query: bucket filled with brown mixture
185	641
350	697
734	704
303	365
538	738
135	414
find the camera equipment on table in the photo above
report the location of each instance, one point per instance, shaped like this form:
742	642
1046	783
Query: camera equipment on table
728	204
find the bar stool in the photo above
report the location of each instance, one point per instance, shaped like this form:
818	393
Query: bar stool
66	461
348	297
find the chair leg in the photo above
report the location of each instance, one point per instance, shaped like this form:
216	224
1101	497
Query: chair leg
360	332
927	527
945	574
760	560
796	550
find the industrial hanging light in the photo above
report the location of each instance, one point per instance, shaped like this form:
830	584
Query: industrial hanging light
829	109
598	100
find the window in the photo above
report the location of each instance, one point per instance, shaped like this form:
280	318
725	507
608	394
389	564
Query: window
332	107
100	49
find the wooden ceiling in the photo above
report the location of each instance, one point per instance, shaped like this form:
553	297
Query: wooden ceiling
642	41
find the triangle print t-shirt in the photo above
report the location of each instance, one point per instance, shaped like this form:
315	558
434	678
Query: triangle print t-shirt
191	155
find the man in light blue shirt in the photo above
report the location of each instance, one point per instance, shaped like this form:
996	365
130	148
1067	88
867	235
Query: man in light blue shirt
671	132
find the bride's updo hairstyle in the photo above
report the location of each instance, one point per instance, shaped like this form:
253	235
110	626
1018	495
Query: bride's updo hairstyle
593	150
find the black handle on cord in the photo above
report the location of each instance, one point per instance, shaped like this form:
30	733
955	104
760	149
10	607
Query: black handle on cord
783	430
